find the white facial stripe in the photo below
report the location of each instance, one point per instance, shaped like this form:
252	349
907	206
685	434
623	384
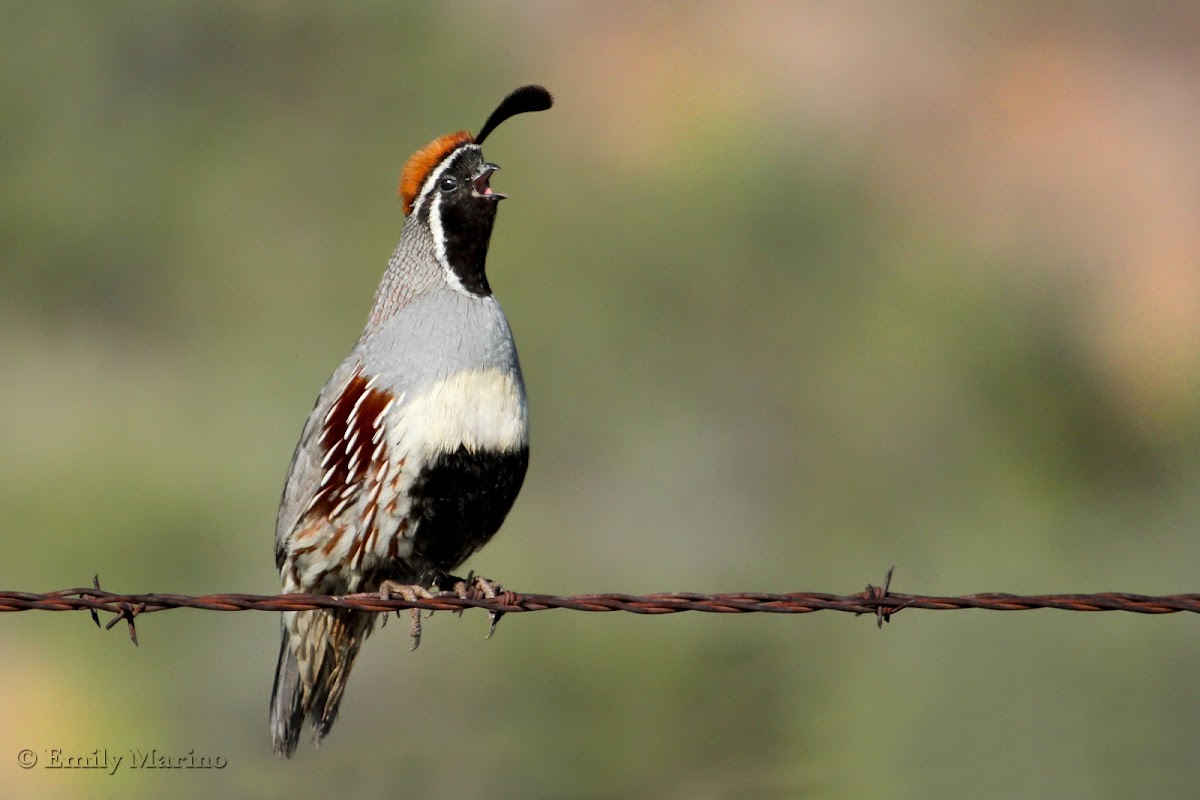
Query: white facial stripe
429	192
484	409
439	243
436	174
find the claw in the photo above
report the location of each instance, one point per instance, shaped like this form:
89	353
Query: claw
414	628
494	616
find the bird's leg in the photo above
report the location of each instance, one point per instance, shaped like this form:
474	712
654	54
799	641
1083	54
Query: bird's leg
410	592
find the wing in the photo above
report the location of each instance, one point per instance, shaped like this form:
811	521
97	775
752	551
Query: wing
305	472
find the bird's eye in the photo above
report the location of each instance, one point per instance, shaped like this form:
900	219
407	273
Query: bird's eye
448	184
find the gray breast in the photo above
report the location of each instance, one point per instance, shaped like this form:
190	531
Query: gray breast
449	360
437	334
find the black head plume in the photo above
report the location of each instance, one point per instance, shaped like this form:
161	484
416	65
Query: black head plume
526	98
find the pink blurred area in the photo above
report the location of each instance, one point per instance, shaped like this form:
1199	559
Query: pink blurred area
1062	127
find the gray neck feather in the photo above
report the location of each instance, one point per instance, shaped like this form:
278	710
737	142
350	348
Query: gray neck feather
411	270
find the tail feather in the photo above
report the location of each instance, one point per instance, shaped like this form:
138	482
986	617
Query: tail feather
315	658
287	702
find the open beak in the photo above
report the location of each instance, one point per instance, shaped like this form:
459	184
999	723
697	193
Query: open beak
480	182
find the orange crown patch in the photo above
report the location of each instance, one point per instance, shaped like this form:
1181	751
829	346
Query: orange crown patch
422	163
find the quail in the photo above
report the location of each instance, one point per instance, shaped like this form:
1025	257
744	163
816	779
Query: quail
418	443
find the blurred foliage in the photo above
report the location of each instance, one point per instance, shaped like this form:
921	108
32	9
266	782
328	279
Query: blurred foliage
791	309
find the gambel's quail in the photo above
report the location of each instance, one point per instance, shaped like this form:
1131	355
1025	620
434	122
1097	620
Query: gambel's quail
417	445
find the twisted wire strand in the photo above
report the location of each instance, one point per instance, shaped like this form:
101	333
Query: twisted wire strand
878	601
661	603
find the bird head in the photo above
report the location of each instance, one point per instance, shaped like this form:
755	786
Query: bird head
445	188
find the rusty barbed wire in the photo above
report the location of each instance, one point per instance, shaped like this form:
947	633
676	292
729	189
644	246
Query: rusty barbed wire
879	602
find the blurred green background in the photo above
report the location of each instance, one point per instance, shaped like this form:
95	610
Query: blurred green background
802	291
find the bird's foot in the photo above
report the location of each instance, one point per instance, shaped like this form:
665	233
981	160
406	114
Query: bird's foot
477	587
410	592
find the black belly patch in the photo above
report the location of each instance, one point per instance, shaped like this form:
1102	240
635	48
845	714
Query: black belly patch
459	501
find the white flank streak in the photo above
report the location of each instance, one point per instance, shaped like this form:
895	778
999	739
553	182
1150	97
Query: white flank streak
386	409
327	475
340	507
482	409
362	551
349	490
383	468
357	405
328	456
340	391
350	442
370	383
378	451
351	466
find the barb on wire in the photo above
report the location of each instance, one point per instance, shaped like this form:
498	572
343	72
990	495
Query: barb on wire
125	611
882	613
880	602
